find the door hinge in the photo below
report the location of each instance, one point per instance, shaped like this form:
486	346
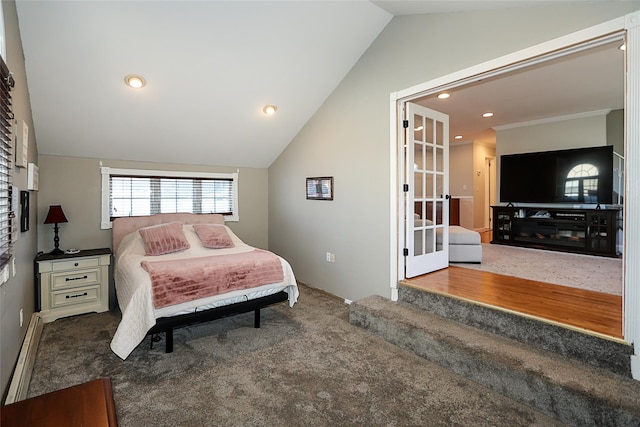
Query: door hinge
405	187
405	124
405	251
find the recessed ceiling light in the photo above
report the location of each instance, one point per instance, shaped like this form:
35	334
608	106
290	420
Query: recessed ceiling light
270	109
135	81
488	114
458	137
443	95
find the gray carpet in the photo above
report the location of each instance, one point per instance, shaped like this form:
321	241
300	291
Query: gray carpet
304	366
588	272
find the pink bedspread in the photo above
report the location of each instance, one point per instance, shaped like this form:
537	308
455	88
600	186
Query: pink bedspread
177	281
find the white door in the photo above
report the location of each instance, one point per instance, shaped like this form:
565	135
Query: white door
426	189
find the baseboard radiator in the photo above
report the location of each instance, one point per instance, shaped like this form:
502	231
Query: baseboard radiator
24	367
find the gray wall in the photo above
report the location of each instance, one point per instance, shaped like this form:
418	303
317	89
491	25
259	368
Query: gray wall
615	131
461	170
75	183
348	137
560	135
17	293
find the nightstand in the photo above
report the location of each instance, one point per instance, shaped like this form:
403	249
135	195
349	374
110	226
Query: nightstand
70	284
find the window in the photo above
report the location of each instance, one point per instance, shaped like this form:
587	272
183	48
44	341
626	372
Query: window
132	192
6	165
581	184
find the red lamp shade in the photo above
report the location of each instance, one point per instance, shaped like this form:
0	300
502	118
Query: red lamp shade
55	215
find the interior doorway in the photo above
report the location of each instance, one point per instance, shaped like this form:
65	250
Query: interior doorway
545	52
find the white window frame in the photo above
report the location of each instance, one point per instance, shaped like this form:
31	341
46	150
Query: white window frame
106	172
3	37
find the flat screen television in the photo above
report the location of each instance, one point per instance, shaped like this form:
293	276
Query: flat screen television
583	175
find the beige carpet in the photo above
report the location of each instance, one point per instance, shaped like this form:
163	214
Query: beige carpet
305	366
588	272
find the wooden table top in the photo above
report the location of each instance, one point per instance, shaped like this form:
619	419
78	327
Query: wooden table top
87	405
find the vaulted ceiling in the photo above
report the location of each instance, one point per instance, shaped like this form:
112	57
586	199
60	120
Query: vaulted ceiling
210	68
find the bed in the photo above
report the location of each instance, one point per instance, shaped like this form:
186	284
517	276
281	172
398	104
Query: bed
144	280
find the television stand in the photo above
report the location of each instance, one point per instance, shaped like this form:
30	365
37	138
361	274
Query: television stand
585	231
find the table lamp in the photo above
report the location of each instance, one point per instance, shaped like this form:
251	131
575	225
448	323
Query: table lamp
55	216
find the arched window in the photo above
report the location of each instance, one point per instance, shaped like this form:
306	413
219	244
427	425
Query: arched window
581	184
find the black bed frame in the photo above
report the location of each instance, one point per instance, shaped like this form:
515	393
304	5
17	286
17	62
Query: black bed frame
166	324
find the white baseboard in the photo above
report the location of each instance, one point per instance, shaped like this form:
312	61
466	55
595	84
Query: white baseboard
22	375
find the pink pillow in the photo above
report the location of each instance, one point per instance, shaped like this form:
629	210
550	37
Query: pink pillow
213	236
164	238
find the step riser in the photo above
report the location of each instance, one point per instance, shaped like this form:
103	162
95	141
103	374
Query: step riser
595	351
530	388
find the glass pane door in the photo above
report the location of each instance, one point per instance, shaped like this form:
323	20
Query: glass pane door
427	176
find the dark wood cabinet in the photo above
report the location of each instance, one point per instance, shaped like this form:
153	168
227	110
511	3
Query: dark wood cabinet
587	231
90	405
454	211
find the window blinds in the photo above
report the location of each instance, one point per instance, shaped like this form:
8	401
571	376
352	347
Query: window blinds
6	157
148	195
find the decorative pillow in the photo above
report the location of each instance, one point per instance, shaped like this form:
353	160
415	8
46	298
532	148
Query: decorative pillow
164	238
213	236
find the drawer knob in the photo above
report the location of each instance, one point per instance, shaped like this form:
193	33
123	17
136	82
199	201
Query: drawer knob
75	264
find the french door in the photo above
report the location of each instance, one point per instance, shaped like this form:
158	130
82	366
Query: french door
426	188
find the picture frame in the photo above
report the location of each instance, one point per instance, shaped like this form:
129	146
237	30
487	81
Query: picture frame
33	177
320	188
21	131
24	211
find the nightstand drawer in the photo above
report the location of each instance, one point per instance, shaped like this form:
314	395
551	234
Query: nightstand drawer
73	264
75	296
75	278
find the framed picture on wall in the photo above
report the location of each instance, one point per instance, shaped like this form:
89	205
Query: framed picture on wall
32	177
24	211
320	188
21	132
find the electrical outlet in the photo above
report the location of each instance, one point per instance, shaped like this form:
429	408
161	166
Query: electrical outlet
21	317
330	257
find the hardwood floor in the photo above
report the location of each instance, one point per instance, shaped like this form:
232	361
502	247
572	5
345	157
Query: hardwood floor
593	312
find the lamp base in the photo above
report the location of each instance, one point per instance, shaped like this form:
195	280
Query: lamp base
56	242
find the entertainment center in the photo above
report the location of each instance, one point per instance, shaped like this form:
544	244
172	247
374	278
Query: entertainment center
586	231
567	201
